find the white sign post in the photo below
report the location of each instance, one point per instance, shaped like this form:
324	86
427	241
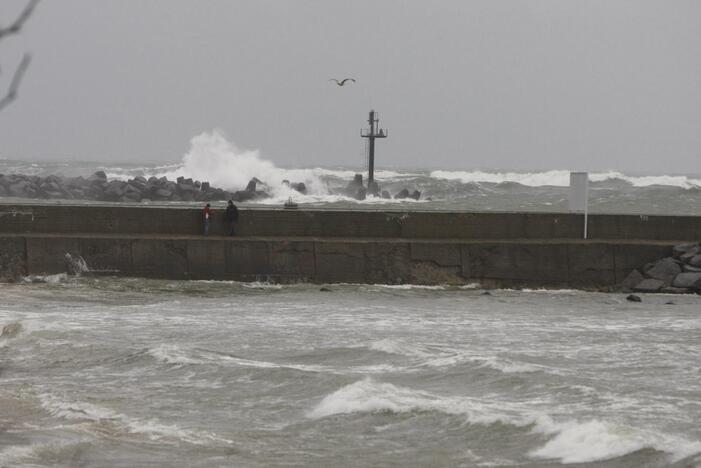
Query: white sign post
579	195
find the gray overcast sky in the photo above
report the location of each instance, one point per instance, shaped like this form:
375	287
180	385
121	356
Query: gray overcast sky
522	84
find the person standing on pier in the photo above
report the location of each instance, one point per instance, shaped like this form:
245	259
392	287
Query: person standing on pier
232	215
206	215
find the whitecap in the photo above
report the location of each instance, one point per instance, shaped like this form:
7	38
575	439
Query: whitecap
153	429
561	178
596	440
173	354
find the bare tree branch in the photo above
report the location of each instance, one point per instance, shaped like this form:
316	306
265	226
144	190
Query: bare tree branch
15	27
16	80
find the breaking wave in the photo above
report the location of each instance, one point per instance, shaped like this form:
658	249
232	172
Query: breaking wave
118	423
561	178
570	441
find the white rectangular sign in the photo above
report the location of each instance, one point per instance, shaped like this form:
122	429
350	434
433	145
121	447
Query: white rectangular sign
579	191
579	196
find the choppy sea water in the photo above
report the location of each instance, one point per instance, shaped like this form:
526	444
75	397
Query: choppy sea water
132	372
214	159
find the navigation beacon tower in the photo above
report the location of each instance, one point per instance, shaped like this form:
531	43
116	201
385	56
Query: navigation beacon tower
374	131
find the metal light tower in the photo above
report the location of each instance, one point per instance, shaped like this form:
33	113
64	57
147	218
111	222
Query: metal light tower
371	133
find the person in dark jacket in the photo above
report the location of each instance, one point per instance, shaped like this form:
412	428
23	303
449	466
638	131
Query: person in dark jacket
232	215
206	215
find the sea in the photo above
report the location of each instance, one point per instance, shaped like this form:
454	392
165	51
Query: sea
214	159
100	371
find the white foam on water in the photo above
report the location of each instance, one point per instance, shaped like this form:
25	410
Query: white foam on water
561	178
595	440
447	358
49	279
173	354
261	285
9	456
391	346
409	287
214	159
570	442
82	411
369	396
509	367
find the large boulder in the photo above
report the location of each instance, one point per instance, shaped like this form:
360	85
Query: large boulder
649	285
163	194
632	280
664	270
688	280
19	188
114	190
403	193
681	249
98	176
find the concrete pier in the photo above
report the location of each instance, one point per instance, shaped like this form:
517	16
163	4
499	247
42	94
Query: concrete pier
326	246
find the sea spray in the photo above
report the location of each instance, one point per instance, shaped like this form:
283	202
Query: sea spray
221	162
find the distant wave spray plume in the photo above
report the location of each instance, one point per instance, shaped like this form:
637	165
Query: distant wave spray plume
215	159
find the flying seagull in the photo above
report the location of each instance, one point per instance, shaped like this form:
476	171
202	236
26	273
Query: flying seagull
343	81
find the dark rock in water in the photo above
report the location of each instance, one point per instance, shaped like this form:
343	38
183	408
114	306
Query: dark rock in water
632	280
98	176
634	298
403	193
325	289
385	194
251	187
669	303
649	285
688	280
486	293
300	187
681	249
415	195
354	188
664	270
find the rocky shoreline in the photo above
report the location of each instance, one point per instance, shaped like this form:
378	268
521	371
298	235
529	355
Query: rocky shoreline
139	189
678	274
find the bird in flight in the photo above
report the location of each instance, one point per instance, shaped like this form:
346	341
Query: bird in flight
343	81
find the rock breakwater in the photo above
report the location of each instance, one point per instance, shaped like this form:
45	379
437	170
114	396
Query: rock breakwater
139	189
678	274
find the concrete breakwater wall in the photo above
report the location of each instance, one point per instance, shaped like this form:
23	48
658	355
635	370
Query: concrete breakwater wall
116	219
495	249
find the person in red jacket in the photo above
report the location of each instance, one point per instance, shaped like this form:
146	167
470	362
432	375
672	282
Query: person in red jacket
206	216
